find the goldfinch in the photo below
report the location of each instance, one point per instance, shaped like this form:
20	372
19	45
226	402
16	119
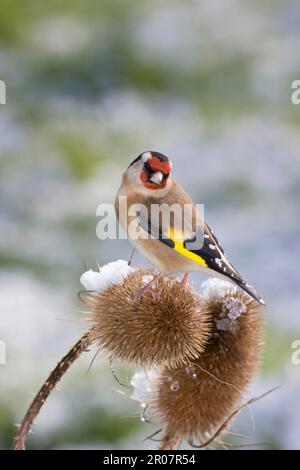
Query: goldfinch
147	183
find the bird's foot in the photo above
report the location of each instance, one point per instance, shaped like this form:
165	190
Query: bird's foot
184	280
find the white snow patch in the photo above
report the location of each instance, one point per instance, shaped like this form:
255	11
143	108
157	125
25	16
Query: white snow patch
224	324
111	273
234	307
142	383
144	391
213	287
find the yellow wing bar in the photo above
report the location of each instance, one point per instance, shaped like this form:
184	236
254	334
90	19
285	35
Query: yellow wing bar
179	247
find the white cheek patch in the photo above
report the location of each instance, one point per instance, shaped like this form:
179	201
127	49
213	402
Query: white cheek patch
157	177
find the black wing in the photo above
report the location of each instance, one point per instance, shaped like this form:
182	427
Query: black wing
211	254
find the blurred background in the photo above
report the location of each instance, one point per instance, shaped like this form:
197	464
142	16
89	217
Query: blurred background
90	85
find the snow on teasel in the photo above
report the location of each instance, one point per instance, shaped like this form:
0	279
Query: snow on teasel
111	273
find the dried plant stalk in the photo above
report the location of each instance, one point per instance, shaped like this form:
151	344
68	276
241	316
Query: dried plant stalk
64	364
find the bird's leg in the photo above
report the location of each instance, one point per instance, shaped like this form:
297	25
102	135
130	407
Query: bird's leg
144	289
184	279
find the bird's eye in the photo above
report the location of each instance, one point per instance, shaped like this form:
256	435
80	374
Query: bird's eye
147	168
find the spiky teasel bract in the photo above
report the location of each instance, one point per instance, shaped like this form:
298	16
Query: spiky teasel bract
168	325
192	402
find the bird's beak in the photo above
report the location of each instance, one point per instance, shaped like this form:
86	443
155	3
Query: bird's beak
157	177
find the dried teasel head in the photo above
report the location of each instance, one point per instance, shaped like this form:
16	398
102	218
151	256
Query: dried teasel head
193	402
167	326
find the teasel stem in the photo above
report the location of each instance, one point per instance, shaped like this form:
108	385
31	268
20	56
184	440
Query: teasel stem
39	400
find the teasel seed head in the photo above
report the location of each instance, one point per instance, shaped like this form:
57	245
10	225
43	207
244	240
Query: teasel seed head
168	326
192	402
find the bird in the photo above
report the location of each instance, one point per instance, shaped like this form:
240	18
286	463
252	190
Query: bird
148	182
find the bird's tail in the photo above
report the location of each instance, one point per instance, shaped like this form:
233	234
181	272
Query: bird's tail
250	290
